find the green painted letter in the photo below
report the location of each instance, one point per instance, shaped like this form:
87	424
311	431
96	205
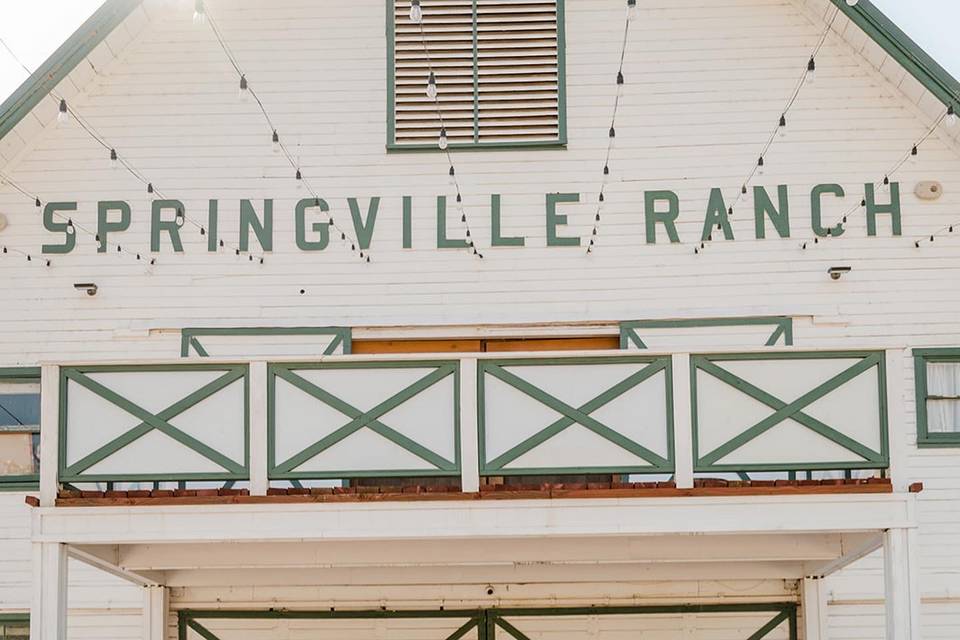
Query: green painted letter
554	220
873	208
364	229
212	226
170	226
763	207
323	228
816	215
716	217
69	238
496	239
407	222
104	228
249	220
667	218
443	242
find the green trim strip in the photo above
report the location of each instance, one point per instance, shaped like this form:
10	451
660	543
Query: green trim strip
782	327
150	421
20	375
361	419
922	358
792	410
573	415
189	336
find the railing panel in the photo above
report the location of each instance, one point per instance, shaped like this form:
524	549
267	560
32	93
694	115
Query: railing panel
142	423
789	411
356	419
575	415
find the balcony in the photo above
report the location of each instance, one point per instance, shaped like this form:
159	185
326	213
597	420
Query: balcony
550	422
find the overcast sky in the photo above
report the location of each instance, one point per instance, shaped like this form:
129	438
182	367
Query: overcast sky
33	29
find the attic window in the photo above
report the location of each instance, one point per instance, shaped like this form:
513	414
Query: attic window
498	67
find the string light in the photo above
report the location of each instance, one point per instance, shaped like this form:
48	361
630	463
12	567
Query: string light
951	116
63	115
199	13
416	12
244	89
612	132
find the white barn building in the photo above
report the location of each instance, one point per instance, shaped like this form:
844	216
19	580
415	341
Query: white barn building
529	319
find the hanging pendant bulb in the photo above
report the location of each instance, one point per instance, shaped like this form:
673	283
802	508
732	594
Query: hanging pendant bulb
631	9
244	92
63	115
299	177
181	218
760	166
416	12
612	135
914	153
276	142
70	228
199	13
811	70
885	185
453	175
114	159
36	203
443	142
432	86
951	116
782	127
150	188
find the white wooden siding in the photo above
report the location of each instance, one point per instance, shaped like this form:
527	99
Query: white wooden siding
705	83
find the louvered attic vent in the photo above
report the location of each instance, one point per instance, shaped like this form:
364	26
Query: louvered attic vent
498	67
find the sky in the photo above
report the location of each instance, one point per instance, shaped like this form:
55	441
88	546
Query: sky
33	29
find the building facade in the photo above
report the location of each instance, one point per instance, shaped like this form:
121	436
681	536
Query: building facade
464	318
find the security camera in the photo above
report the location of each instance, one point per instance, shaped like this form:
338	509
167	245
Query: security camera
837	272
89	287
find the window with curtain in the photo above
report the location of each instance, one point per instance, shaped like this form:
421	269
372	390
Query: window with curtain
937	374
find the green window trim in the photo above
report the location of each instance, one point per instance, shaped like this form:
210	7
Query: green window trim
25	482
560	143
921	358
11	619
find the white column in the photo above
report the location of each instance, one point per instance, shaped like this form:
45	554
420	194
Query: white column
896	360
49	433
258	429
156	604
682	421
469	451
900	586
814	608
48	606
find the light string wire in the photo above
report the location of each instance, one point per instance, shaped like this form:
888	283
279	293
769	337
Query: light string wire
277	139
454	176
882	183
759	164
152	190
611	135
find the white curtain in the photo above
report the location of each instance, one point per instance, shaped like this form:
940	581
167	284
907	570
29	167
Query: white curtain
943	383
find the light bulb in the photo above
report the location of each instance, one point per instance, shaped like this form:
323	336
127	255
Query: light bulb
244	92
760	166
70	229
631	9
299	177
180	218
852	3
951	116
913	155
811	70
612	135
114	159
432	86
63	116
443	142
416	13
782	128
199	13
276	142
885	185
453	175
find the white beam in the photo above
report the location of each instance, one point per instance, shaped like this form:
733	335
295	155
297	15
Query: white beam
682	421
48	607
156	606
854	547
258	429
97	561
469	452
49	433
814	608
900	586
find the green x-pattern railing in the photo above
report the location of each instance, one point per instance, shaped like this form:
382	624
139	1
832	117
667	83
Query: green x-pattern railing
572	415
362	419
630	331
191	337
488	621
794	410
160	421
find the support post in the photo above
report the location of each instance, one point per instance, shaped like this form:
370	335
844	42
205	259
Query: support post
814	608
900	586
49	434
48	606
682	421
896	363
259	481
469	450
156	604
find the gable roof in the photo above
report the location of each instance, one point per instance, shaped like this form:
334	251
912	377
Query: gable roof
877	26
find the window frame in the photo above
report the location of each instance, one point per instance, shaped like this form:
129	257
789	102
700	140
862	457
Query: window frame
559	143
921	358
24	375
14	618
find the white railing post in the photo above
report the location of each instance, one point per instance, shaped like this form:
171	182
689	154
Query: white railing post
469	450
814	608
48	607
49	434
259	481
156	604
682	421
895	360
